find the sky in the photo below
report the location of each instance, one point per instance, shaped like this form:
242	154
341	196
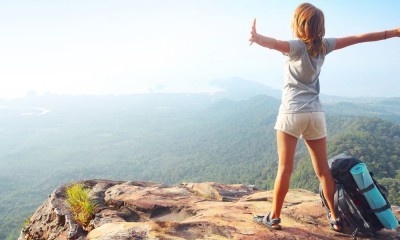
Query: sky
128	46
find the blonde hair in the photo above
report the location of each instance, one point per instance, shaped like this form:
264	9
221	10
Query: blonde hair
309	26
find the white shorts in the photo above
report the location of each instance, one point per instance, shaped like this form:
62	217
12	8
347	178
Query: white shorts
309	125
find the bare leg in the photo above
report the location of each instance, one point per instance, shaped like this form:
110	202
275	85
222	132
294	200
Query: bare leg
286	150
317	149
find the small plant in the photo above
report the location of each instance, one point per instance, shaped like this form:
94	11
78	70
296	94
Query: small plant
25	225
81	206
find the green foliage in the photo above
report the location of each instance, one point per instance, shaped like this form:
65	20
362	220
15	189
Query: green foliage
374	141
81	206
13	235
304	176
393	186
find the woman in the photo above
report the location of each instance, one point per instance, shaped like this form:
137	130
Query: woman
301	113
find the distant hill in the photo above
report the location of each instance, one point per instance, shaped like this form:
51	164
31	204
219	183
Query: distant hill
241	89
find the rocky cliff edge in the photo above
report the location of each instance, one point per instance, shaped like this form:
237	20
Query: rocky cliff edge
145	210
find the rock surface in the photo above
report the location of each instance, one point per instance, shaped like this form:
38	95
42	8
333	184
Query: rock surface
145	210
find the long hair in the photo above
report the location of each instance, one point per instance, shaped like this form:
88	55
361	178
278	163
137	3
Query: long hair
309	25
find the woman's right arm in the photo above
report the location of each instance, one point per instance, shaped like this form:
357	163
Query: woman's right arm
268	42
367	37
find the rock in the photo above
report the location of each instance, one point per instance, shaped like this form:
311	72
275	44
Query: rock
144	210
217	191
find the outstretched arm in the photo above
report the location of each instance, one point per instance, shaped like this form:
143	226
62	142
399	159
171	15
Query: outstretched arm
367	37
272	43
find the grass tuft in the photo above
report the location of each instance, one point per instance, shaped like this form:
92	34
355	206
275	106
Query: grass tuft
81	206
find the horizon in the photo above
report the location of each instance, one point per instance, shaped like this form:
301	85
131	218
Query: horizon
107	48
220	90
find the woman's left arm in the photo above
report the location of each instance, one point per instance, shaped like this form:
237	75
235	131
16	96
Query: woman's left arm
366	37
268	42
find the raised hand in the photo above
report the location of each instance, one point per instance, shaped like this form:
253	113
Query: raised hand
253	33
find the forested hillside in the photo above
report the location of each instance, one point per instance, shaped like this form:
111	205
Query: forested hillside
171	139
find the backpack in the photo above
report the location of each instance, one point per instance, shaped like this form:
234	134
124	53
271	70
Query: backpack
350	204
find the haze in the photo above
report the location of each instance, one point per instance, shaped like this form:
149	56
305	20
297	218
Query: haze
128	46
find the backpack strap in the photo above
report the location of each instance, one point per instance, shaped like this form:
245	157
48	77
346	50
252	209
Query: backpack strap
355	218
369	188
376	210
336	197
381	209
